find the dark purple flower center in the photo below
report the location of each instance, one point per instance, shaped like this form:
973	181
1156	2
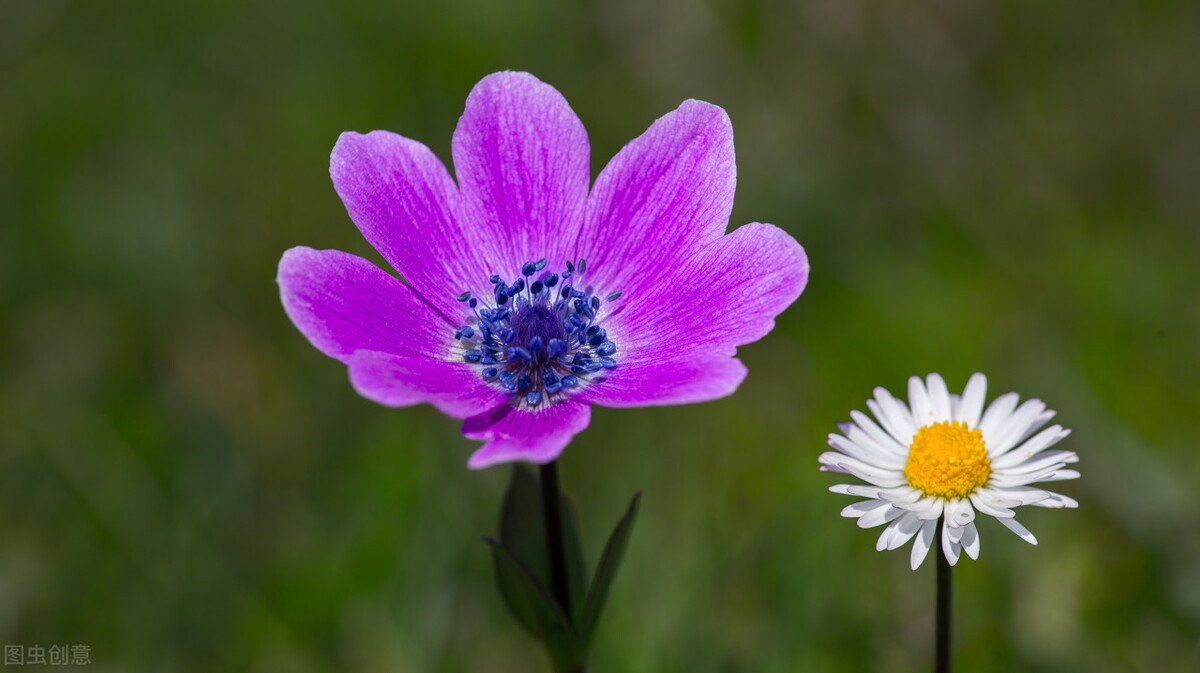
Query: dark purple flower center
537	320
538	338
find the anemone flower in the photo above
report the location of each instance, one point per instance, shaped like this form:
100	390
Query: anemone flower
523	296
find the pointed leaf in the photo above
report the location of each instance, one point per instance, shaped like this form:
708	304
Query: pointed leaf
522	529
523	533
535	608
606	571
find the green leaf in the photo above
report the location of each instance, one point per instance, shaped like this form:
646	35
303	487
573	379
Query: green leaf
606	571
523	533
535	608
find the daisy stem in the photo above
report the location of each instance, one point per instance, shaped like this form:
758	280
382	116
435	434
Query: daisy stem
942	644
554	536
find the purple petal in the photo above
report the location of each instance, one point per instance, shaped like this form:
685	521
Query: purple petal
404	202
681	379
521	157
725	295
455	388
666	193
517	434
343	303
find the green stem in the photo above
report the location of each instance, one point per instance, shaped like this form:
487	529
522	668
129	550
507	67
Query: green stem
942	644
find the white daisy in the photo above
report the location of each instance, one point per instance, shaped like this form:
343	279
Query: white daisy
942	454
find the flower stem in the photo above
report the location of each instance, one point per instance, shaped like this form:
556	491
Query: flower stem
554	536
942	644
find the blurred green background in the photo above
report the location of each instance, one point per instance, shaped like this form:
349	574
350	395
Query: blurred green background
187	485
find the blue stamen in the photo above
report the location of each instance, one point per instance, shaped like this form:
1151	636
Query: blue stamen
472	356
533	398
464	296
606	348
613	296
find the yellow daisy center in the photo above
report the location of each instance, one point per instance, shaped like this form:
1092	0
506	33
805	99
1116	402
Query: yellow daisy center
947	460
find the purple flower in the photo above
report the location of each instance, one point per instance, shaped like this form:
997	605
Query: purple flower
526	297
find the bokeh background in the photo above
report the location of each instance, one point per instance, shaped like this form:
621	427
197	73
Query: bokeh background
187	485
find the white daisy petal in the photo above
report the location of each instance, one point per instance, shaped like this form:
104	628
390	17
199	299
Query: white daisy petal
1014	496
844	427
1040	462
895	420
879	516
896	417
950	546
865	453
1057	501
831	459
928	507
997	414
990	506
856	489
900	494
939	396
882	542
959	513
1012	479
1041	441
881	437
864	507
922	543
970	541
971	406
1061	475
1021	531
875	475
918	399
1036	425
903	529
891	450
1018	424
